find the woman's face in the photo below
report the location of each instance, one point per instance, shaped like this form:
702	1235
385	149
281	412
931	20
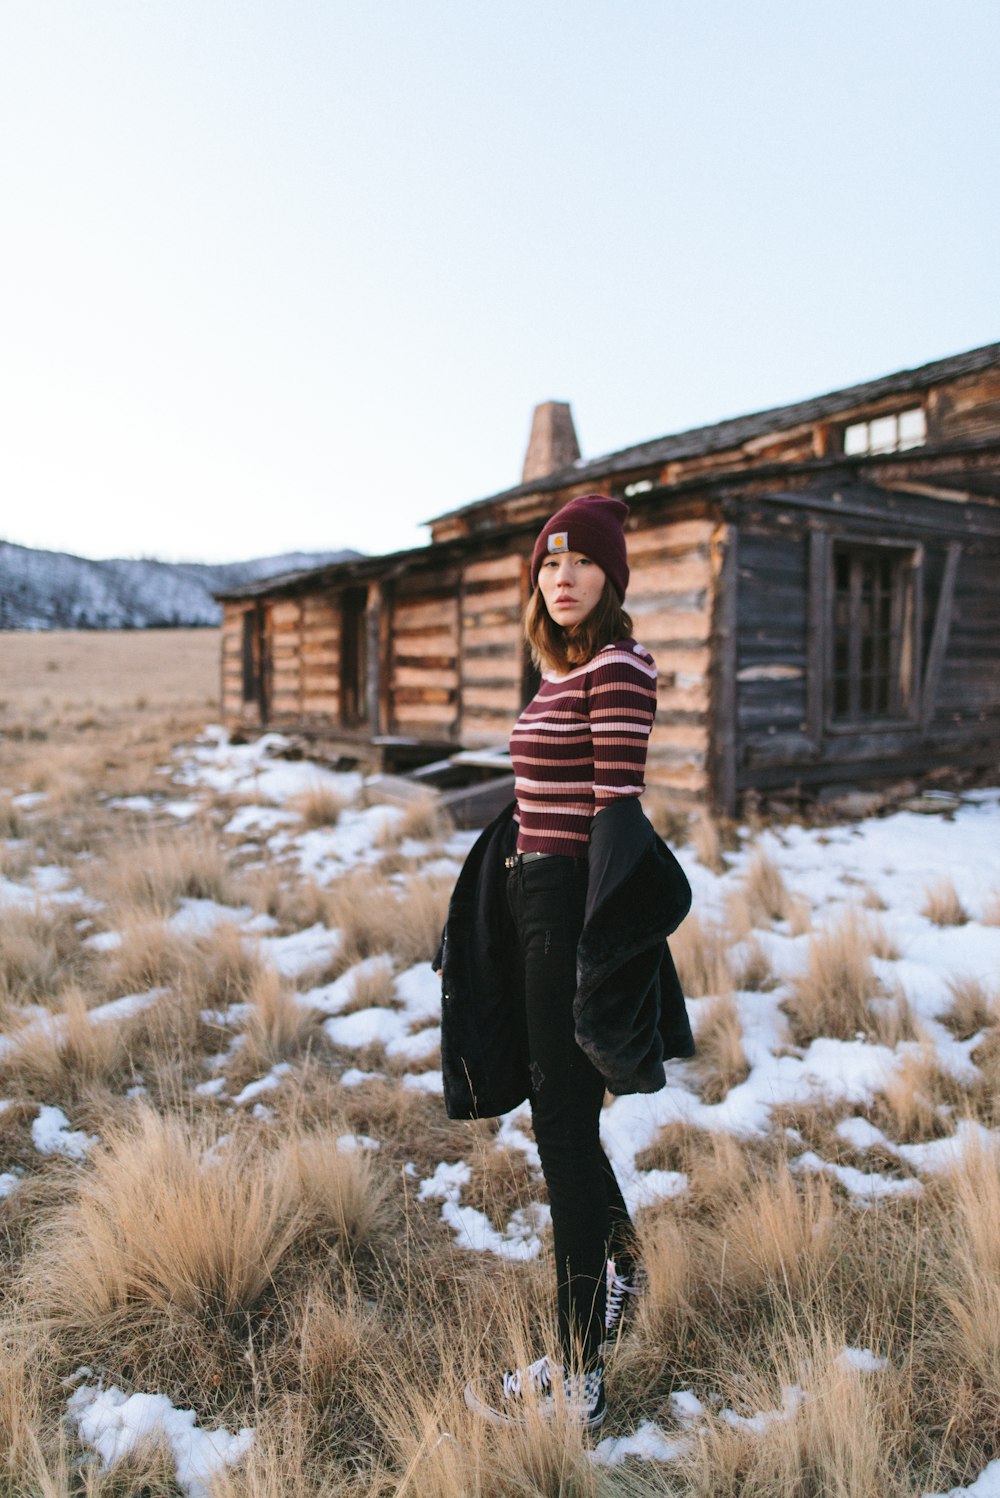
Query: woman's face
571	585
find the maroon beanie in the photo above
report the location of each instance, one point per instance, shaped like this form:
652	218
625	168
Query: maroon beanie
593	524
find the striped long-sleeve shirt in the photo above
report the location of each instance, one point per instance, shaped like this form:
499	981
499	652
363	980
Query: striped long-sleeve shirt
580	743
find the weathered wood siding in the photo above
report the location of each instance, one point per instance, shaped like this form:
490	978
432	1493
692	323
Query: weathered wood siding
423	646
492	653
283	628
232	663
783	735
319	634
967	408
670	598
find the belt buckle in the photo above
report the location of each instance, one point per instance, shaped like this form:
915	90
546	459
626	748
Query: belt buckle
510	862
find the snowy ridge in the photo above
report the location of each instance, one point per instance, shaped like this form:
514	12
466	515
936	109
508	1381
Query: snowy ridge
55	590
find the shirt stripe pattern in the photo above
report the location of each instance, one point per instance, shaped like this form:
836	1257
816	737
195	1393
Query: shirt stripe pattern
580	743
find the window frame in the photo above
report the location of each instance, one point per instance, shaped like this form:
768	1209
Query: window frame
895	415
904	639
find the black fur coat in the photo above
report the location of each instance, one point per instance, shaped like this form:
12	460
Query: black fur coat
629	1007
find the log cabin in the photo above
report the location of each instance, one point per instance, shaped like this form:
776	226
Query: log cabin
819	584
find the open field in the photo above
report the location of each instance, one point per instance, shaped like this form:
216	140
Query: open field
234	1218
48	675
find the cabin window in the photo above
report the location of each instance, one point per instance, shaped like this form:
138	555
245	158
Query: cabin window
873	634
886	434
354	657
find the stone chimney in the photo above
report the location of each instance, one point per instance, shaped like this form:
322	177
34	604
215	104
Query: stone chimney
552	444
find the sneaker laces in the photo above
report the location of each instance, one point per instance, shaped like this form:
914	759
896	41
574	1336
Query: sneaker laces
619	1288
537	1376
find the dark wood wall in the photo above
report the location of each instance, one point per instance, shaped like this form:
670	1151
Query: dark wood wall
782	731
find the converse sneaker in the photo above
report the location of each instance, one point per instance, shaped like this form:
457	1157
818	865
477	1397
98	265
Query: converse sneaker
622	1292
544	1389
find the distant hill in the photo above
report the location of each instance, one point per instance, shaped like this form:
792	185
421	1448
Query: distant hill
54	590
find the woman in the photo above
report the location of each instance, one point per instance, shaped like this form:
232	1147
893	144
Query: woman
561	993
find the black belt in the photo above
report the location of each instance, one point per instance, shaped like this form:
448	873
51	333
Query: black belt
516	858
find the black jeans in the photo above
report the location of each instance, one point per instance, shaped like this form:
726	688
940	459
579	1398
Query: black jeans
547	897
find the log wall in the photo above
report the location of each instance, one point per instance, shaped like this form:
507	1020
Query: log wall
423	649
670	598
782	735
492	653
234	710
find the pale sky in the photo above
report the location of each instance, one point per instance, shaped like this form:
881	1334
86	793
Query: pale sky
290	275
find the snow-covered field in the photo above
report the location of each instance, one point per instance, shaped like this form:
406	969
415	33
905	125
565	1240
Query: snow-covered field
376	1024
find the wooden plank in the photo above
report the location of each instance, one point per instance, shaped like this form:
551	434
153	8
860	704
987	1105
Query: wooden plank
418	676
321	702
319	658
429	718
502	637
683	575
680	535
494	617
695	698
939	636
508	566
435	581
429	615
285	612
504	668
434	642
500	699
407	697
678	737
682	661
665	624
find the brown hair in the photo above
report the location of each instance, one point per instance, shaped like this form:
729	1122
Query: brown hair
556	649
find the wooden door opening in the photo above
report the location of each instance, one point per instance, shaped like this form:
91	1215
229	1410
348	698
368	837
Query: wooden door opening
354	658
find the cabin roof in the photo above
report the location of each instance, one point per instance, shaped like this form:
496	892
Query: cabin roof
359	567
720	435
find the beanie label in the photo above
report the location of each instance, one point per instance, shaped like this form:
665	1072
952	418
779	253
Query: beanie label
559	541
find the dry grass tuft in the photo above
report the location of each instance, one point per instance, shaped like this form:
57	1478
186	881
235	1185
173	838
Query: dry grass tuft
766	891
277	1027
62	1057
360	905
320	805
991	909
719	1169
882	944
22	1407
722	1062
707	843
974	1007
832	997
39	951
372	988
222	968
846	1438
419	919
700	950
967	1265
502	1182
11	819
752	968
149	955
337	1191
424	820
777	1235
155	1222
152	874
942	905
920	1099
